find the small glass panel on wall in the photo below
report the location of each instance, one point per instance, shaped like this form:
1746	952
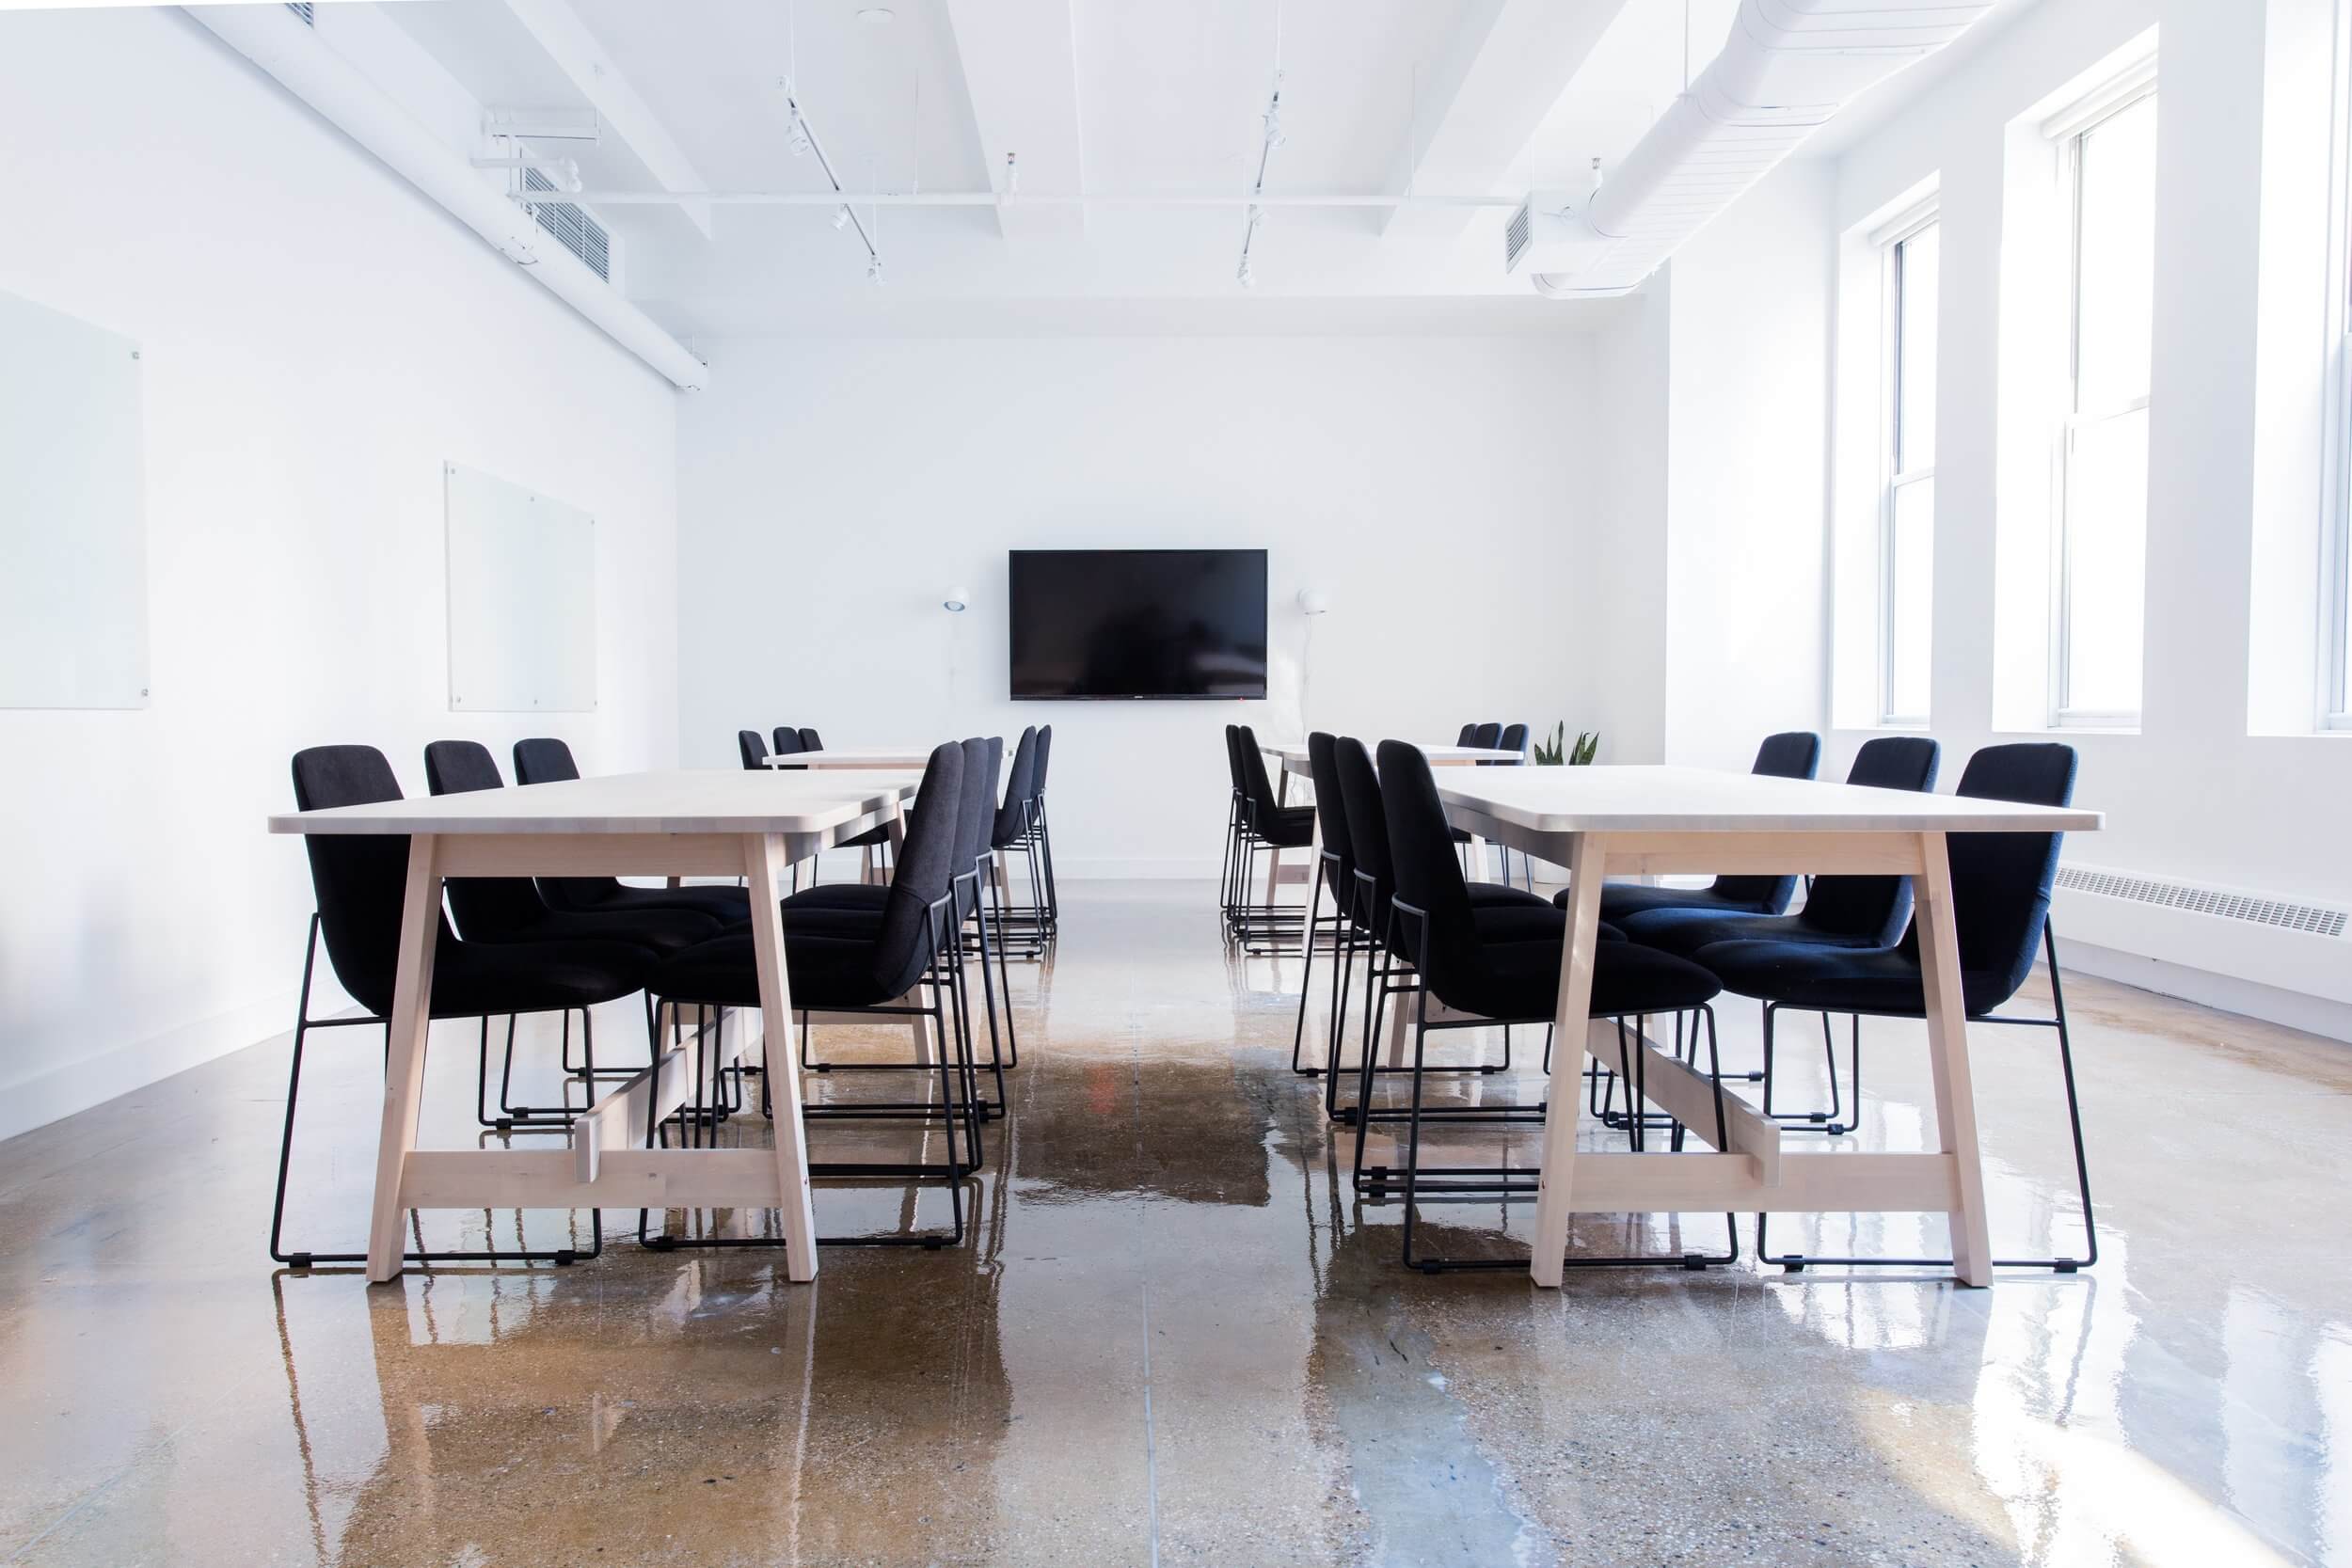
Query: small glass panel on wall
72	513
522	598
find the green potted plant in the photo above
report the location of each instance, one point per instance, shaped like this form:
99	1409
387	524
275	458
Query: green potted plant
1556	753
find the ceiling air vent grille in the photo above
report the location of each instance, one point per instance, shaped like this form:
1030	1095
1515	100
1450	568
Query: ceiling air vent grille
2252	908
1515	235
307	12
574	230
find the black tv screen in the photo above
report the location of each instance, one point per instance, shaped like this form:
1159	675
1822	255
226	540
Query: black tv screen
1138	623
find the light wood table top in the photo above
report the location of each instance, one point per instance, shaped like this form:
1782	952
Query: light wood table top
706	801
1671	800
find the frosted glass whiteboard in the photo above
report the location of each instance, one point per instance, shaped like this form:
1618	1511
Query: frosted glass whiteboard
72	513
522	598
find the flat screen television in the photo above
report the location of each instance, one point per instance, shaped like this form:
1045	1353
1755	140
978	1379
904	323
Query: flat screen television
1106	625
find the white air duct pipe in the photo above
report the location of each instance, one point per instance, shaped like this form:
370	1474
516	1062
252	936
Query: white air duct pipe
1787	65
277	42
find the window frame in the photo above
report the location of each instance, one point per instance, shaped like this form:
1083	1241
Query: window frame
2066	130
2331	684
1888	240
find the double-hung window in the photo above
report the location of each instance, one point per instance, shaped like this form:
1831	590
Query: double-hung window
2109	160
1910	255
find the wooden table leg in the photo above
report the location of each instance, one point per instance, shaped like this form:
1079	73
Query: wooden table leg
764	860
1947	1059
1565	1098
403	1064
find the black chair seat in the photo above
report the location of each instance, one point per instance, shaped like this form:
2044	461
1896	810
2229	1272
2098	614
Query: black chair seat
1621	901
1289	828
475	979
1521	978
1492	894
728	906
824	970
1685	931
1810	975
870	896
870	837
657	930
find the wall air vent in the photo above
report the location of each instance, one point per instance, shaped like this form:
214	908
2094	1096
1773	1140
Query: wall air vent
307	12
574	230
2249	907
1516	234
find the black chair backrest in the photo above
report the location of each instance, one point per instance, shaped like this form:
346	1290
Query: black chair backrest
1874	908
1011	819
1322	766
920	879
754	748
543	760
487	908
1421	843
2001	882
360	880
1469	736
1044	756
975	812
787	740
1487	738
1360	792
547	760
1257	790
1513	739
1791	755
1233	755
810	740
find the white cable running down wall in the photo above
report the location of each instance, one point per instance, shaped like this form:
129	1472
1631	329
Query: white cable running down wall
279	42
1786	66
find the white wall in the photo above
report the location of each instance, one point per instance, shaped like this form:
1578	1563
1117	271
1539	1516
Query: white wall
831	490
317	339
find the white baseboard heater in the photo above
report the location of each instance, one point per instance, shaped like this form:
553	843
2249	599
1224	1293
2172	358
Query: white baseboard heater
2296	944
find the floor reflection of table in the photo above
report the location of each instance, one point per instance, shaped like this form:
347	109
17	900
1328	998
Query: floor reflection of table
1663	820
673	824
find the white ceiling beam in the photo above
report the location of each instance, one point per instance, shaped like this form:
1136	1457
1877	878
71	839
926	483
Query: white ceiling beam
1482	99
1019	66
576	52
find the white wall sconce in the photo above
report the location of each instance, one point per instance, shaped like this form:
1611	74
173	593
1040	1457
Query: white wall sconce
1313	601
958	600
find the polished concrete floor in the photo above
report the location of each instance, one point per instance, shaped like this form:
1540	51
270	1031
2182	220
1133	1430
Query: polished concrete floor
1172	1337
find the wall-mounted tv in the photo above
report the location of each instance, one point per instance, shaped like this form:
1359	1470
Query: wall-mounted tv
1103	624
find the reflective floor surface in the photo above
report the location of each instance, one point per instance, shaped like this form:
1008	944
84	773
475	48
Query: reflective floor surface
1173	1337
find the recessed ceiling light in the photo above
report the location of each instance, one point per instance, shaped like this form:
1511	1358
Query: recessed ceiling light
877	16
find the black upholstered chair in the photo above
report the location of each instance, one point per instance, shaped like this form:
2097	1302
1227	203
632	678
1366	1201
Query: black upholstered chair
1486	736
361	882
1023	928
1794	754
1270	828
1041	830
1335	875
1513	739
546	760
1502	911
1838	911
858	905
810	740
752	750
837	961
2001	885
785	741
1485	975
1469	736
510	908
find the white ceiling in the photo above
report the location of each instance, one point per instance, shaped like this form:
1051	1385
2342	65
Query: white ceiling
1477	98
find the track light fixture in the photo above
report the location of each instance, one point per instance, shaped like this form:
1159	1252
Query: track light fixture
1245	274
840	218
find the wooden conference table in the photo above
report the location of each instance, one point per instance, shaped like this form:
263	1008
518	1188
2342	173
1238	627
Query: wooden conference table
733	823
1626	820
